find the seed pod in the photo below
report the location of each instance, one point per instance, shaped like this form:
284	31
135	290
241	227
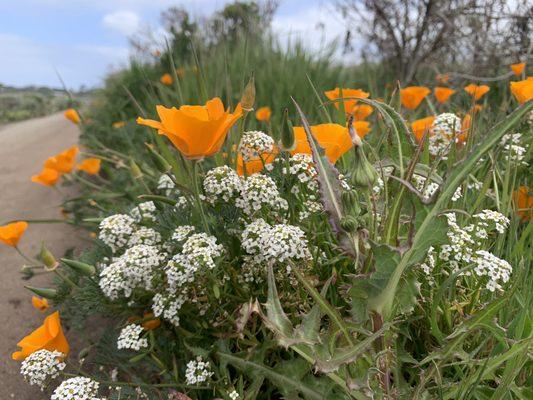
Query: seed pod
287	142
43	292
47	258
135	170
349	198
248	96
81	268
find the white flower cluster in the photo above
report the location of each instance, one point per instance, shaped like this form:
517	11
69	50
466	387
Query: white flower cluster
198	253
310	207
115	230
465	247
443	132
182	232
146	236
166	185
42	366
130	338
221	183
278	243
234	395
514	151
167	306
77	388
302	167
429	189
135	268
254	144
144	212
197	371
497	270
259	192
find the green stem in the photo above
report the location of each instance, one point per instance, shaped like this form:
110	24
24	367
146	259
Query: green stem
197	195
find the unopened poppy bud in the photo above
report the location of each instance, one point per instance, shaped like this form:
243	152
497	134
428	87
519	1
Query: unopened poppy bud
349	223
356	140
47	257
161	164
135	170
248	96
287	142
80	267
364	175
43	292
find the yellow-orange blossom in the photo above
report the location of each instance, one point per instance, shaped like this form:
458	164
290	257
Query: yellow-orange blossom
196	131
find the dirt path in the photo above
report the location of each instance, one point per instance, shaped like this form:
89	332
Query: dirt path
23	148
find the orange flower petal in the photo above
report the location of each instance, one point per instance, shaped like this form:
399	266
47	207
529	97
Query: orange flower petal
39	303
518	68
442	94
90	165
349	104
420	126
263	114
333	138
10	234
72	115
522	90
47	177
477	92
412	96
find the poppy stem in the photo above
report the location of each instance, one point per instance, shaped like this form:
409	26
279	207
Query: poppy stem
197	195
23	256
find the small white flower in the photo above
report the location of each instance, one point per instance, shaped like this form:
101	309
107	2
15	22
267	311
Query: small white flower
77	388
130	338
221	184
182	232
443	132
197	371
167	306
144	212
254	144
166	185
259	192
40	367
145	235
234	395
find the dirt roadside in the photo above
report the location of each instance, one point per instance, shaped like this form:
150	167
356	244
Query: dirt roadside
23	148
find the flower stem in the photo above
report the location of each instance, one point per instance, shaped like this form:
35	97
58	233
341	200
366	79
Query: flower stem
197	195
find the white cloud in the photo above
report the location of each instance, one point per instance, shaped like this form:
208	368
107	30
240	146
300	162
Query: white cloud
124	21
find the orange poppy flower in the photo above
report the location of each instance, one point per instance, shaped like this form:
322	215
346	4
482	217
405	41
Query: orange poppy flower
39	303
166	79
348	104
362	111
64	161
263	114
518	68
442	94
47	177
333	138
443	78
10	234
196	131
523	203
255	165
118	124
49	336
72	115
420	126
149	325
90	166
476	91
412	96
522	90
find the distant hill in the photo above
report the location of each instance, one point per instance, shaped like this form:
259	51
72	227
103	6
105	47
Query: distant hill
19	103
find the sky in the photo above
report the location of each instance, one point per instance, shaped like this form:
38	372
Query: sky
86	39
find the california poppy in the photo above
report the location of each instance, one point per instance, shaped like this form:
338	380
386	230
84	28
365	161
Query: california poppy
166	79
349	104
64	161
362	111
412	96
263	114
47	177
118	124
10	234
420	126
255	165
523	203
443	78
196	131
49	336
522	90
72	115
442	94
333	138
150	322
518	68
40	303
90	166
476	91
